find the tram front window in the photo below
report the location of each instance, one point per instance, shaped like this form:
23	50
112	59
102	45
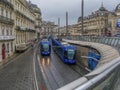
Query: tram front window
71	54
45	47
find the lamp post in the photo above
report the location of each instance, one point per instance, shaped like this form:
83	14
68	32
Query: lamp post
58	26
82	12
67	23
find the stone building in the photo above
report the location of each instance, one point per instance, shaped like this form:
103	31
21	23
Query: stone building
48	28
19	20
113	17
6	29
38	21
24	23
96	23
101	22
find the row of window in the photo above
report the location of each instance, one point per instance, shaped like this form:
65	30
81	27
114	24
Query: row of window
24	23
6	13
9	47
4	30
20	38
24	10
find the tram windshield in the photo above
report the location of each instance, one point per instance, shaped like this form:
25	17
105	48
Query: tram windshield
71	54
45	47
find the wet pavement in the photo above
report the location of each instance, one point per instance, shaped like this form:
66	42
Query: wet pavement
51	72
18	75
56	73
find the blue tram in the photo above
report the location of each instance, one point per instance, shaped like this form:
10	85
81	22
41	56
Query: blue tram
45	47
65	51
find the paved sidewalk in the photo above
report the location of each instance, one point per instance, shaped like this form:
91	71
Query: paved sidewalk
9	59
108	53
17	74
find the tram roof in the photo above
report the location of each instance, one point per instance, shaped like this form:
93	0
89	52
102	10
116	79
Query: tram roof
45	40
65	43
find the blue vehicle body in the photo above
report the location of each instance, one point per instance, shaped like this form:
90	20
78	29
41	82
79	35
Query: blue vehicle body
92	63
66	53
45	48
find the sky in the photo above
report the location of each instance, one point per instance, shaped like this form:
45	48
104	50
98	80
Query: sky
54	9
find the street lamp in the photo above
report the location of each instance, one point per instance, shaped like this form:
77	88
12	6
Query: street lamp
67	23
82	12
58	26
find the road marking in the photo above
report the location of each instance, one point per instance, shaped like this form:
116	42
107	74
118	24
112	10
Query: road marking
36	83
43	73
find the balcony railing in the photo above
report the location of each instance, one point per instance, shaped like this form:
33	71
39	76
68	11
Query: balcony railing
37	11
37	26
25	29
7	38
6	20
7	3
38	19
23	15
21	28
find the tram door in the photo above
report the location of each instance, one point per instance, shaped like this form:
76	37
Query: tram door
3	51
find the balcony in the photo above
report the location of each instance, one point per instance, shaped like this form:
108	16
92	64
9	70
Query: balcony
7	38
21	28
23	15
7	3
37	26
37	11
39	19
31	30
6	20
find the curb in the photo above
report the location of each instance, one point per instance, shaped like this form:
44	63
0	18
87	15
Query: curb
7	60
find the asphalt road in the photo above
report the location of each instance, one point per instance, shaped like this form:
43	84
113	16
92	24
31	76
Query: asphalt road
55	72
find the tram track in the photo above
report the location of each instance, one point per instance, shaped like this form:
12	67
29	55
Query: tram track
55	72
79	69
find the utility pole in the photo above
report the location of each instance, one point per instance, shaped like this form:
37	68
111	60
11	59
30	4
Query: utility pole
67	24
82	9
58	26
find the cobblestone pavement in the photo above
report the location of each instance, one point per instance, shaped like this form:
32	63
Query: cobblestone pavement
18	75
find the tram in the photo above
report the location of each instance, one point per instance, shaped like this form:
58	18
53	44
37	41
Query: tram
65	51
45	47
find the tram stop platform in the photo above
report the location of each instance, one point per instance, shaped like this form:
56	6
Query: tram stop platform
108	54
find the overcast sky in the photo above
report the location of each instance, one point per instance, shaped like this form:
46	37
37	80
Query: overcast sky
52	9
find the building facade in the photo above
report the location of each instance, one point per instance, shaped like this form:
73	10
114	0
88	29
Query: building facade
100	23
38	19
24	23
112	20
18	20
6	29
48	28
96	23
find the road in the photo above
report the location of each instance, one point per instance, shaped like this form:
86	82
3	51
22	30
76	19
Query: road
51	73
55	72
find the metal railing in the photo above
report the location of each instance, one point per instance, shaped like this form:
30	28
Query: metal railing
112	41
108	79
6	20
